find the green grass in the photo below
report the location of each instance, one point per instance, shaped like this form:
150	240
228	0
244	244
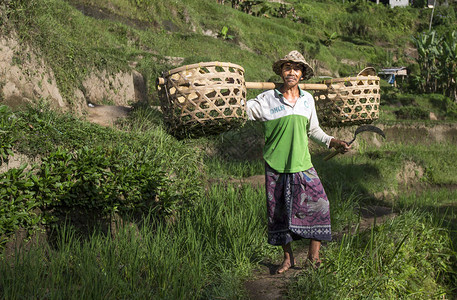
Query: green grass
221	238
404	104
372	169
206	253
407	257
422	237
224	169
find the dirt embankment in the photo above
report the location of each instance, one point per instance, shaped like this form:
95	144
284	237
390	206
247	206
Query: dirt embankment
25	79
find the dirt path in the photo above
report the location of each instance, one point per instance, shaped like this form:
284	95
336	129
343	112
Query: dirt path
266	284
107	115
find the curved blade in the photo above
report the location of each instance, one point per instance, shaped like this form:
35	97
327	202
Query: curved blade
368	128
357	131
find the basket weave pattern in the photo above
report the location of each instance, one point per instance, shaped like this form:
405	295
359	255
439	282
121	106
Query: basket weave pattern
206	96
348	101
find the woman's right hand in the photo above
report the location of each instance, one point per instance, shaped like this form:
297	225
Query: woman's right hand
339	145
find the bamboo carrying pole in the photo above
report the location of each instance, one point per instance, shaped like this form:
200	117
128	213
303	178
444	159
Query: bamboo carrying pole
211	96
271	85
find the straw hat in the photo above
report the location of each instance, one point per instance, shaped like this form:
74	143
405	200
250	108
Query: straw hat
294	56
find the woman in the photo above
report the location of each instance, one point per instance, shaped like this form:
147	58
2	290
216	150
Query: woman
297	205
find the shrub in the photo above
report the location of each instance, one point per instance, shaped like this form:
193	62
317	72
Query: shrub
451	109
91	169
94	179
437	56
412	113
419	3
17	203
7	125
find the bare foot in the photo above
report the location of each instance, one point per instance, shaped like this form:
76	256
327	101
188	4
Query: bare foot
314	263
313	254
288	261
286	265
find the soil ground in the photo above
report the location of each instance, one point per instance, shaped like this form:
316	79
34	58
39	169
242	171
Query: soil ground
107	115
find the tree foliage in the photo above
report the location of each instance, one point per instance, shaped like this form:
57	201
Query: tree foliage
437	63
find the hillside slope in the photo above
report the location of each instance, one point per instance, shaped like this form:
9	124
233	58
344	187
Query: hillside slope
76	39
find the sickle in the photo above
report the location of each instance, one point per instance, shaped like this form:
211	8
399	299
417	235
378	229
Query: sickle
357	131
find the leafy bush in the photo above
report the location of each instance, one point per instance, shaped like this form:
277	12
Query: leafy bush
412	113
93	180
116	171
18	203
419	3
437	56
451	109
7	127
445	18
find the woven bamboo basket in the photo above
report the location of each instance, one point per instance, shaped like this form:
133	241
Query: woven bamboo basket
204	98
355	100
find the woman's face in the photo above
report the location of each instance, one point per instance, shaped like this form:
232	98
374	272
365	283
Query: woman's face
291	73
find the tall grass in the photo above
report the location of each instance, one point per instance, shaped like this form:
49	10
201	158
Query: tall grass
441	202
343	206
412	256
222	168
210	250
205	254
407	257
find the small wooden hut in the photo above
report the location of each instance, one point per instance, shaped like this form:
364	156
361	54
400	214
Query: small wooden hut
392	74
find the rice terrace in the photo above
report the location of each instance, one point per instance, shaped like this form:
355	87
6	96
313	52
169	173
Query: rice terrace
133	164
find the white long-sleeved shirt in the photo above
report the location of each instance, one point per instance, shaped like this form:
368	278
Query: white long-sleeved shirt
286	129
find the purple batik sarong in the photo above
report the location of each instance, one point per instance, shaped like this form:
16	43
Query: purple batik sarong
297	207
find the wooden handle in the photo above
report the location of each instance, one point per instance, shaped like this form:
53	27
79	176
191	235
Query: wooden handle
334	153
273	85
270	85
